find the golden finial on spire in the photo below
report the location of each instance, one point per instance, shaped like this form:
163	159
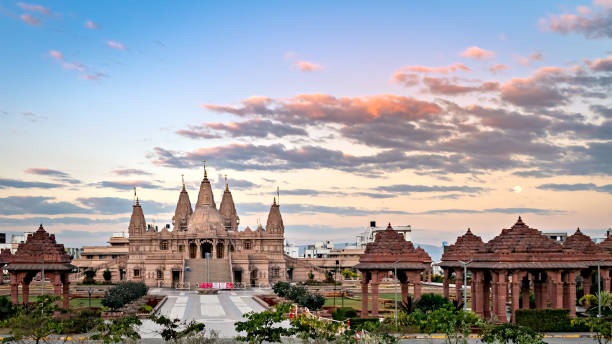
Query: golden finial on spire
183	180
274	202
135	197
226	185
205	175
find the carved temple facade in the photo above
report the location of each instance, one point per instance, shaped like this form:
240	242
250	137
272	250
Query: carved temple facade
205	245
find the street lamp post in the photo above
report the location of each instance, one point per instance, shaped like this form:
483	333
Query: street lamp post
335	279
599	288
89	290
465	264
395	285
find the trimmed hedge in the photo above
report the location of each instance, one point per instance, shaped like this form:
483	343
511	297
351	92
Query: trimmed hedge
544	320
124	293
299	295
343	313
358	323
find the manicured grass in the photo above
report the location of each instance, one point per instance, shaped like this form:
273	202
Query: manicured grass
75	303
355	302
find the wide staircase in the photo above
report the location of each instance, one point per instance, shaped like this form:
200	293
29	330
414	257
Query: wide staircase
220	271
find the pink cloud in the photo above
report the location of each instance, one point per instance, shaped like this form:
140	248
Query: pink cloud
30	19
477	53
586	22
306	66
537	90
56	55
33	8
447	87
600	65
74	66
115	45
91	25
316	107
498	68
441	70
527	61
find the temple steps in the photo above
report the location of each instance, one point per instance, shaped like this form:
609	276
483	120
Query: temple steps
219	271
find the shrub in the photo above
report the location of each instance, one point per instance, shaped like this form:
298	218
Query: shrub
601	327
83	321
544	320
295	292
145	309
107	275
123	293
455	323
311	276
311	301
6	308
511	333
281	288
117	330
343	313
175	329
429	302
358	323
90	276
587	300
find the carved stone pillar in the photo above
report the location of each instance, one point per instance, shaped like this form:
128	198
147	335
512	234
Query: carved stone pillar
375	282
572	292
14	288
494	290
517	281
445	282
364	294
486	294
477	292
502	293
459	284
557	288
417	285
404	289
525	292
25	292
605	279
587	280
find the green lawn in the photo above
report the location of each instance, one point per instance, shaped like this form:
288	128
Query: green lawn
355	301
75	303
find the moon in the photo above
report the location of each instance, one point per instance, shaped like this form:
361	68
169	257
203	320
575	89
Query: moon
517	189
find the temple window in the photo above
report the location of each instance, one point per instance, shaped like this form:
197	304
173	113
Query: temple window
136	272
160	274
275	272
247	245
163	245
181	248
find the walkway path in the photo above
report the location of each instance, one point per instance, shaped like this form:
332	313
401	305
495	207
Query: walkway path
218	312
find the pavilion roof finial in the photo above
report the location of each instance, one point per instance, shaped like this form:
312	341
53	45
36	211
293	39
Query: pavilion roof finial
226	184
205	174
135	196
183	181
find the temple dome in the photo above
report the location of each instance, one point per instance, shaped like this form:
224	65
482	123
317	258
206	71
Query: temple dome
205	218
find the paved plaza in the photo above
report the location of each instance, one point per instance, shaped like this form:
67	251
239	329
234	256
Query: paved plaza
218	312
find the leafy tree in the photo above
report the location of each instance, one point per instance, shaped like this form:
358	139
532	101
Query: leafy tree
430	301
311	276
311	301
281	288
35	321
601	327
264	326
6	308
170	328
511	333
587	300
90	276
117	330
455	323
107	275
311	329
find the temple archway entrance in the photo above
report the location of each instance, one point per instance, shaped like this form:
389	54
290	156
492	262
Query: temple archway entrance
193	248
220	250
237	276
254	278
206	247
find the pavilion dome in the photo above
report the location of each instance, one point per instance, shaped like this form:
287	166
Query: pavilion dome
521	238
583	244
464	248
40	249
390	246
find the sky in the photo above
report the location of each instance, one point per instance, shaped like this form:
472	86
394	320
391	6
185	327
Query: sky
441	115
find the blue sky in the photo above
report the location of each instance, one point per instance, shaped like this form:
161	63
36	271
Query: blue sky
91	89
